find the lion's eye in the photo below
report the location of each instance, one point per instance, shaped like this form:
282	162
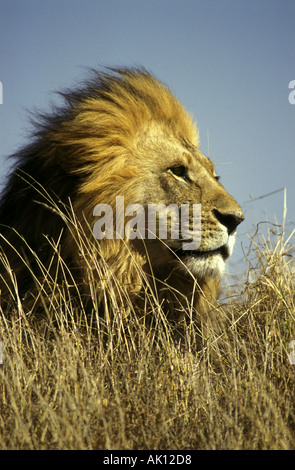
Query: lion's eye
180	171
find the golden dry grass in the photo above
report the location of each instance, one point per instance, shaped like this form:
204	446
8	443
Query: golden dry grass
74	382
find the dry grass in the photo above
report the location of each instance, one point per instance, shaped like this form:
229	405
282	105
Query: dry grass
77	382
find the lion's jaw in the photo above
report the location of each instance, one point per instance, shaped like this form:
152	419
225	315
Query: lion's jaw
169	258
210	263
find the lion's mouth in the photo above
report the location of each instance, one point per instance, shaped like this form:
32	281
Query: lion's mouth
222	250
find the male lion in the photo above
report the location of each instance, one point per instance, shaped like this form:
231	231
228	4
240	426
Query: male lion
123	134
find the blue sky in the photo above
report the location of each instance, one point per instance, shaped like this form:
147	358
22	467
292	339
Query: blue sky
228	61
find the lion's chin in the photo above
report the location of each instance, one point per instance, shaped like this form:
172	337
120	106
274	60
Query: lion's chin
204	266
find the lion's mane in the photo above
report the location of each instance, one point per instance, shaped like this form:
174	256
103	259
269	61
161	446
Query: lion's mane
82	155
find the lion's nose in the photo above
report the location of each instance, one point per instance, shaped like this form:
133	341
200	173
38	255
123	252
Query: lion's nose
229	219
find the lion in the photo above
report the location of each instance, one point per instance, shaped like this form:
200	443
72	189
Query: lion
123	134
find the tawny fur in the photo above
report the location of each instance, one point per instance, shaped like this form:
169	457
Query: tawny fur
119	135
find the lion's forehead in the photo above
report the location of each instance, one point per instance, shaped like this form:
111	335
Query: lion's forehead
196	160
162	147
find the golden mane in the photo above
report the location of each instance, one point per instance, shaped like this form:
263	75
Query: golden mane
85	153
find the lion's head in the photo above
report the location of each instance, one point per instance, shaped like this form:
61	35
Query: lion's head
124	137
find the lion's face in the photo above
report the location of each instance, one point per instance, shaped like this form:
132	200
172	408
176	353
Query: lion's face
174	171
